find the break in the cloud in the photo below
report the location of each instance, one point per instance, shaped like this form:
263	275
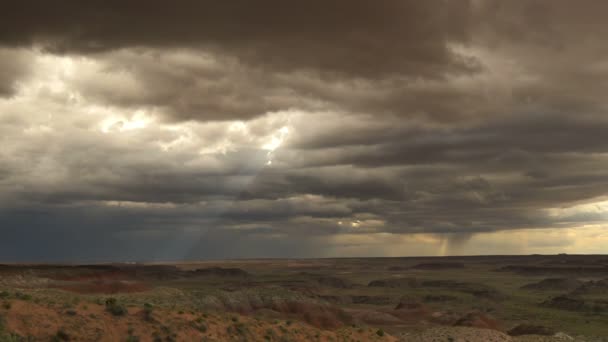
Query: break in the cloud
148	130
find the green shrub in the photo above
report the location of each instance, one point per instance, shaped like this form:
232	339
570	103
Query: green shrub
202	327
380	332
23	296
241	329
148	312
156	337
9	337
61	335
132	338
116	309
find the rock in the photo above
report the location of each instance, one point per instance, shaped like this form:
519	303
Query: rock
598	287
475	289
438	298
477	319
374	300
554	284
334	282
438	266
565	303
563	336
408	306
529	329
395	283
220	272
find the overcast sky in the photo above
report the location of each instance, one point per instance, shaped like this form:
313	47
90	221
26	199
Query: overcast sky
157	130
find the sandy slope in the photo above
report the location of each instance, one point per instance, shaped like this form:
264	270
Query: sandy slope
90	322
467	334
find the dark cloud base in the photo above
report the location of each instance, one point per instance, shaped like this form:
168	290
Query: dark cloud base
203	129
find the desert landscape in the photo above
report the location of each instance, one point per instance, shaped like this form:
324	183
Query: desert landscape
478	298
312	170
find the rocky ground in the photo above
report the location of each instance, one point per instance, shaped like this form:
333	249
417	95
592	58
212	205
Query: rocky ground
386	299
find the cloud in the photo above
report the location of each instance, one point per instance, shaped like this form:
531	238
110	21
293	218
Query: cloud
201	129
341	36
14	67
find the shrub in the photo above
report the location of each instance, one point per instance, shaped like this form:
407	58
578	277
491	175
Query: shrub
202	327
132	338
241	329
116	309
148	312
9	337
61	335
23	296
380	332
166	329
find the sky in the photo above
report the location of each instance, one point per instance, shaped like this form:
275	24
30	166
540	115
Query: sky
154	130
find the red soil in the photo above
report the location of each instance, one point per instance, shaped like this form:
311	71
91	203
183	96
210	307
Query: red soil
104	287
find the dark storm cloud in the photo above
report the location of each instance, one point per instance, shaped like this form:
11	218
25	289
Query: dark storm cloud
441	69
272	128
502	141
250	58
174	82
14	65
557	24
338	36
